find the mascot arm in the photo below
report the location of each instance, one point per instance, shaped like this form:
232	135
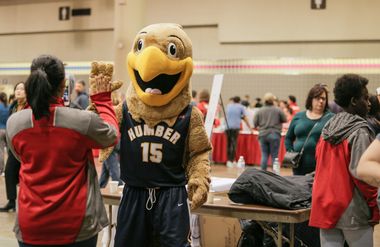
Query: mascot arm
198	164
100	84
106	152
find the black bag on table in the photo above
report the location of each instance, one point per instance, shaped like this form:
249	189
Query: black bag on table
266	188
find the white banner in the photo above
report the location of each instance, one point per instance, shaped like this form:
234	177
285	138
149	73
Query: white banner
213	103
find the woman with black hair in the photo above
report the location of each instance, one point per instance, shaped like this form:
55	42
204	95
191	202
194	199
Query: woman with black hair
59	200
373	117
3	120
12	168
343	207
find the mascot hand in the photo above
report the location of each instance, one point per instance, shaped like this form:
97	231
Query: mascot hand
100	78
104	154
197	191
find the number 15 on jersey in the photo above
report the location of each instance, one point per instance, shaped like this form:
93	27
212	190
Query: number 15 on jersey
151	152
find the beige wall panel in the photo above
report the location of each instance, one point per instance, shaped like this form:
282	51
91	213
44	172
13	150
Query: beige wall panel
273	20
194	12
129	19
43	17
206	46
77	46
238	21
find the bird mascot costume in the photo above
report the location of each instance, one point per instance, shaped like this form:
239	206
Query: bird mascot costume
163	143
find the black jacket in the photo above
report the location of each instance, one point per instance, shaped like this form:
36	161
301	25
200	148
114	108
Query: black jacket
266	188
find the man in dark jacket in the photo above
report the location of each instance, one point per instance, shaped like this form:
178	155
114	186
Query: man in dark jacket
81	101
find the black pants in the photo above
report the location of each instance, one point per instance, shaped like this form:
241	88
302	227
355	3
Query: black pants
232	135
86	243
162	221
12	170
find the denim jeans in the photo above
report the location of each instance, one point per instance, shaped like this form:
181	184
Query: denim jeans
111	166
269	145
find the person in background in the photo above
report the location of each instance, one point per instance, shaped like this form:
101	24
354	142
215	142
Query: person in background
20	98
258	103
268	121
344	207
111	166
292	101
378	93
194	100
59	200
12	167
4	113
276	101
373	117
247	98
235	112
81	101
303	122
250	113
204	97
334	107
11	98
288	113
369	164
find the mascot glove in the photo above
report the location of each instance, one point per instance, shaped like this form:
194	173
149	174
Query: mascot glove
197	191
100	78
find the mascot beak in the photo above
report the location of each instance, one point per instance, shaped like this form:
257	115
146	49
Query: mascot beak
156	77
151	62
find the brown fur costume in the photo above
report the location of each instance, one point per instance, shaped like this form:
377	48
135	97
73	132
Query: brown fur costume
154	109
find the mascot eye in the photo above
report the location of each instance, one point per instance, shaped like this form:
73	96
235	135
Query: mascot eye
172	50
140	45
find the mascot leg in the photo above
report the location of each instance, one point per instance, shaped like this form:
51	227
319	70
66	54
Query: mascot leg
171	217
133	228
146	217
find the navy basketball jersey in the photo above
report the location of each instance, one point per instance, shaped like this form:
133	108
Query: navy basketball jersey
153	157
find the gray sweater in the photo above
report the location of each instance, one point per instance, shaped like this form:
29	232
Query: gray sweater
269	119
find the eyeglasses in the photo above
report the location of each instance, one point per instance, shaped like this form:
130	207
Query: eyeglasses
320	98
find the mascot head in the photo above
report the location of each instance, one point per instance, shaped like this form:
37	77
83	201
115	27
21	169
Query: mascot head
160	64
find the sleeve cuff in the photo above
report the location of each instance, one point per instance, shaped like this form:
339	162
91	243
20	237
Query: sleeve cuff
105	96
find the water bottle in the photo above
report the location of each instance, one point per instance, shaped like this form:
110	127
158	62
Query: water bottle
276	166
240	165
